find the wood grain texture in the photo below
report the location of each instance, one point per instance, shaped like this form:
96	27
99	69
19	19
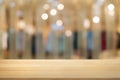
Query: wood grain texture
77	69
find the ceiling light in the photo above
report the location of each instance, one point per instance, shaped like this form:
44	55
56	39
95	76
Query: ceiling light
111	7
96	19
46	6
68	33
86	23
59	22
44	16
60	7
21	24
53	12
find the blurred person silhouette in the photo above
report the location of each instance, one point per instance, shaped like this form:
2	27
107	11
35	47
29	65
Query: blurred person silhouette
10	41
103	40
33	44
4	45
50	43
20	45
89	43
7	52
61	44
118	42
75	43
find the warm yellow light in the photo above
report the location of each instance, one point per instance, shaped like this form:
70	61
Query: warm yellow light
59	22
21	24
68	33
46	6
44	16
86	23
111	13
96	19
60	7
4	40
111	7
30	29
53	12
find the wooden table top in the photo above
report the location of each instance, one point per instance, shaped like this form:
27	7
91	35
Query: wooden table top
60	69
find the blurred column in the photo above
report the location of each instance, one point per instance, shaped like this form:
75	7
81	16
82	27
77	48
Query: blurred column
68	32
12	27
76	27
3	28
83	25
110	23
28	15
53	19
40	24
117	16
96	26
1	49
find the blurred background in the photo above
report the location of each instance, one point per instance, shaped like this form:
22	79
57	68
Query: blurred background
59	29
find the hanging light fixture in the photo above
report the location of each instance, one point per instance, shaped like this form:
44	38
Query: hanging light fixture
96	19
53	12
111	7
59	23
86	23
68	33
44	16
21	24
60	7
46	6
30	29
